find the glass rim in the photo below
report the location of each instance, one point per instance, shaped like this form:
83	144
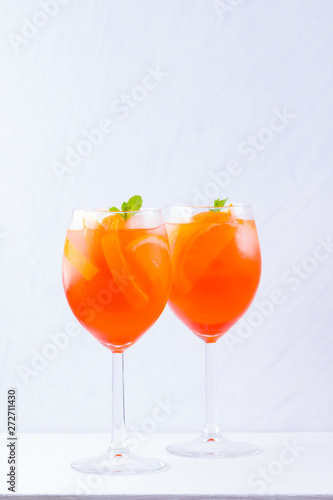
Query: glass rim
225	207
107	211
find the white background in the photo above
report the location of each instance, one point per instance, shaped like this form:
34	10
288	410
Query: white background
228	70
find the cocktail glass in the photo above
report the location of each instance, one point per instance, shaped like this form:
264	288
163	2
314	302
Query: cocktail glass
216	265
117	277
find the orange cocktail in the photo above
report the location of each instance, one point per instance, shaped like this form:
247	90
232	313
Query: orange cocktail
216	270
216	267
116	277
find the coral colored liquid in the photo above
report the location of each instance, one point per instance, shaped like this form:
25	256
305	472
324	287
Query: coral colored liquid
216	271
117	281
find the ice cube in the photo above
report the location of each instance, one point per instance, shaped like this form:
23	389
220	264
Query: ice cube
180	214
144	220
247	239
82	219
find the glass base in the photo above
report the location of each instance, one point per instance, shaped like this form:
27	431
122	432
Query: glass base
212	446
125	463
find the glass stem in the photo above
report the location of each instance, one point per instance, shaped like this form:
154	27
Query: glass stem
211	415
118	407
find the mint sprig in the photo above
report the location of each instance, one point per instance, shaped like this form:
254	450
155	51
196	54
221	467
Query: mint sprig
219	203
132	205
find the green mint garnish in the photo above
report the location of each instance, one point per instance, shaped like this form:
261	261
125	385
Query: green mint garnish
218	203
133	205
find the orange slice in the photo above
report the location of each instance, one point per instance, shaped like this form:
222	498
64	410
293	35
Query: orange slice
150	239
210	216
112	222
92	235
118	266
198	253
79	261
148	253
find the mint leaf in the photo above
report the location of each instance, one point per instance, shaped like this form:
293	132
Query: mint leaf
133	205
219	203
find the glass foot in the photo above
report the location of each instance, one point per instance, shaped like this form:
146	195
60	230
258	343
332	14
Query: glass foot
125	463
212	446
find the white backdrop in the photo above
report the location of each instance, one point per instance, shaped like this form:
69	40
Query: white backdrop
196	99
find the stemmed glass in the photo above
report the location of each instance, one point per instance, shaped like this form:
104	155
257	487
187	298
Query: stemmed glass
117	277
216	271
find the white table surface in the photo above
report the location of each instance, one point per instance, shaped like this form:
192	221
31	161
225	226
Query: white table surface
44	468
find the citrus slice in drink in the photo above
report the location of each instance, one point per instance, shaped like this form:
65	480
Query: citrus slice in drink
112	222
93	239
119	266
212	216
203	244
79	261
93	233
147	253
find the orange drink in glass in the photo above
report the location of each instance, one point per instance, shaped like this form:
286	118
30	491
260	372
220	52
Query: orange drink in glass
216	266
117	277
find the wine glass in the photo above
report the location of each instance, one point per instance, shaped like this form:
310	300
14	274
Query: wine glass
216	266
117	277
